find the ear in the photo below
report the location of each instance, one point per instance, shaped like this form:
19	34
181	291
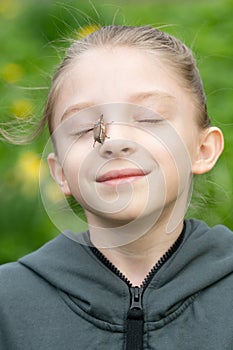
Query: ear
57	173
210	148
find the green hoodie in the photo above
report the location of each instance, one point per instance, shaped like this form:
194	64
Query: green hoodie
66	296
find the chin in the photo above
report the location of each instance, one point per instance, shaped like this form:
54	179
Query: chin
128	216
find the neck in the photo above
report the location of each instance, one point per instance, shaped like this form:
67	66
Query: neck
136	258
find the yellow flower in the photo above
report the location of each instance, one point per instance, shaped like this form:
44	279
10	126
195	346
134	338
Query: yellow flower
86	30
12	72
28	165
22	108
27	171
10	8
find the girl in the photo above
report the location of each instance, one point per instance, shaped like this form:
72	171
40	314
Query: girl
129	125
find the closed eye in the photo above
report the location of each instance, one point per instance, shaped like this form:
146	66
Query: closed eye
82	132
154	121
149	117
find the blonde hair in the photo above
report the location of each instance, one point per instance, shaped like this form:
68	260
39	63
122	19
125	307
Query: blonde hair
170	49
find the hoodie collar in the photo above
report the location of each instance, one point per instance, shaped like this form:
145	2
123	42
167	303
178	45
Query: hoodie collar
203	258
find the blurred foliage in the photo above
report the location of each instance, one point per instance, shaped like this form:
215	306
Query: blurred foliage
33	35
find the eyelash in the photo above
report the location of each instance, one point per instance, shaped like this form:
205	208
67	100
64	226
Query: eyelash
80	133
153	121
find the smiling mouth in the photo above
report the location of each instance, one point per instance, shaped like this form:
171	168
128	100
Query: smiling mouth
116	177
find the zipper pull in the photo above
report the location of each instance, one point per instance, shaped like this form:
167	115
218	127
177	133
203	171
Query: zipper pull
135	321
136	298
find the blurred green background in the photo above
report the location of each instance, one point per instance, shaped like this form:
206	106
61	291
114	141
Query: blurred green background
33	34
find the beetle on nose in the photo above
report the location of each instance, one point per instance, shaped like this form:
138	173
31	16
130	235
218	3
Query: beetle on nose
99	131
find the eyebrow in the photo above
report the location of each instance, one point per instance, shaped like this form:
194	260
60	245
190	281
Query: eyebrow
76	108
137	97
157	94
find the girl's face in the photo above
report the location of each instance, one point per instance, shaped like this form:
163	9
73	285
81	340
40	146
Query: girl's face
145	165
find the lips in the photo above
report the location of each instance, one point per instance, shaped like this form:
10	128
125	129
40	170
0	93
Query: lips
123	174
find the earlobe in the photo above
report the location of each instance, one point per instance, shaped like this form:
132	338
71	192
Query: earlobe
57	173
210	148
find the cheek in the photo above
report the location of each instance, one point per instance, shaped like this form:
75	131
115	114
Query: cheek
169	147
169	150
190	136
73	161
80	166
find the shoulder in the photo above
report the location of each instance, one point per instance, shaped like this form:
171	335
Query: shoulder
15	289
210	248
198	228
10	273
22	292
216	240
42	271
15	279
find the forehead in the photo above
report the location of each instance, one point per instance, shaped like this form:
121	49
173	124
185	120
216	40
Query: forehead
110	68
119	74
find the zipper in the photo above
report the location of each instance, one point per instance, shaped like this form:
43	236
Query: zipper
135	321
135	316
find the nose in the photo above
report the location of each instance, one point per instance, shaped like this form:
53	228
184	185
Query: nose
117	148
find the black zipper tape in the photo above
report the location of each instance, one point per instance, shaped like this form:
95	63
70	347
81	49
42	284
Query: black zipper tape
135	316
135	321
